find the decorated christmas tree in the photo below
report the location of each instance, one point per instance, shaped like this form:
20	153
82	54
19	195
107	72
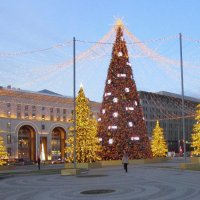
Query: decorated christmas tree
158	143
196	134
3	152
87	142
121	124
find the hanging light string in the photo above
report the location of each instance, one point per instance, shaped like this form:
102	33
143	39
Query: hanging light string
20	53
100	49
166	114
172	118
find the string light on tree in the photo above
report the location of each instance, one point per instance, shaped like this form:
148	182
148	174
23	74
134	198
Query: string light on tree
87	142
3	152
123	118
158	143
196	134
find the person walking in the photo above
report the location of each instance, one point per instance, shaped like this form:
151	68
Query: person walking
125	161
38	162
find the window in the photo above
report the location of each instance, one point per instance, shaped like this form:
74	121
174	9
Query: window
51	118
43	108
43	127
43	117
8	125
18	107
8	105
33	115
9	151
58	110
64	111
8	139
58	118
8	113
19	115
26	107
33	108
26	115
51	110
64	118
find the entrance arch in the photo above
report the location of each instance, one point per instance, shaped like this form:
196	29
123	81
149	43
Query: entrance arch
58	143
26	143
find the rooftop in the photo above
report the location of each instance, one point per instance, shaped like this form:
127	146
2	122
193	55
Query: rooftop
178	96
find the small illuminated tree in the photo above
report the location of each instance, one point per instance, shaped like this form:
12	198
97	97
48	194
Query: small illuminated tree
158	143
3	152
196	134
87	142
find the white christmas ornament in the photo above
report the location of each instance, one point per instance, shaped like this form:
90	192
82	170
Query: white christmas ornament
115	100
115	114
121	75
110	141
99	120
136	103
129	108
122	39
130	124
107	94
127	89
100	139
112	127
120	54
103	111
109	81
129	64
135	138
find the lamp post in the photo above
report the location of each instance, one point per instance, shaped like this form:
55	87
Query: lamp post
74	85
182	89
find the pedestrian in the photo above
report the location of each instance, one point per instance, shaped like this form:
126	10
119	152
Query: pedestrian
125	161
38	162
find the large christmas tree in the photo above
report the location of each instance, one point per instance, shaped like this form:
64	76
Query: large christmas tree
3	152
158	143
121	124
87	142
196	133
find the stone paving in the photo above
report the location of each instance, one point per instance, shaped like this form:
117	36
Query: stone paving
142	182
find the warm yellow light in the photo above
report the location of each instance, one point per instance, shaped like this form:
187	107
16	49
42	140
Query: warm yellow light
196	134
87	143
119	23
81	85
158	143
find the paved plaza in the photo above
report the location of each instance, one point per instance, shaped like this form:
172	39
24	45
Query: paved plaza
142	182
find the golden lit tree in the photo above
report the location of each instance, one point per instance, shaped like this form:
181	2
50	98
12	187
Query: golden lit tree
3	152
87	142
121	124
158	143
196	133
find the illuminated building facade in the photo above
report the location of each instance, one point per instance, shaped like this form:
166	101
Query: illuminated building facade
35	123
30	120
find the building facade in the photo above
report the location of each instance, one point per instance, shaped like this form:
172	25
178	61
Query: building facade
167	109
35	123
